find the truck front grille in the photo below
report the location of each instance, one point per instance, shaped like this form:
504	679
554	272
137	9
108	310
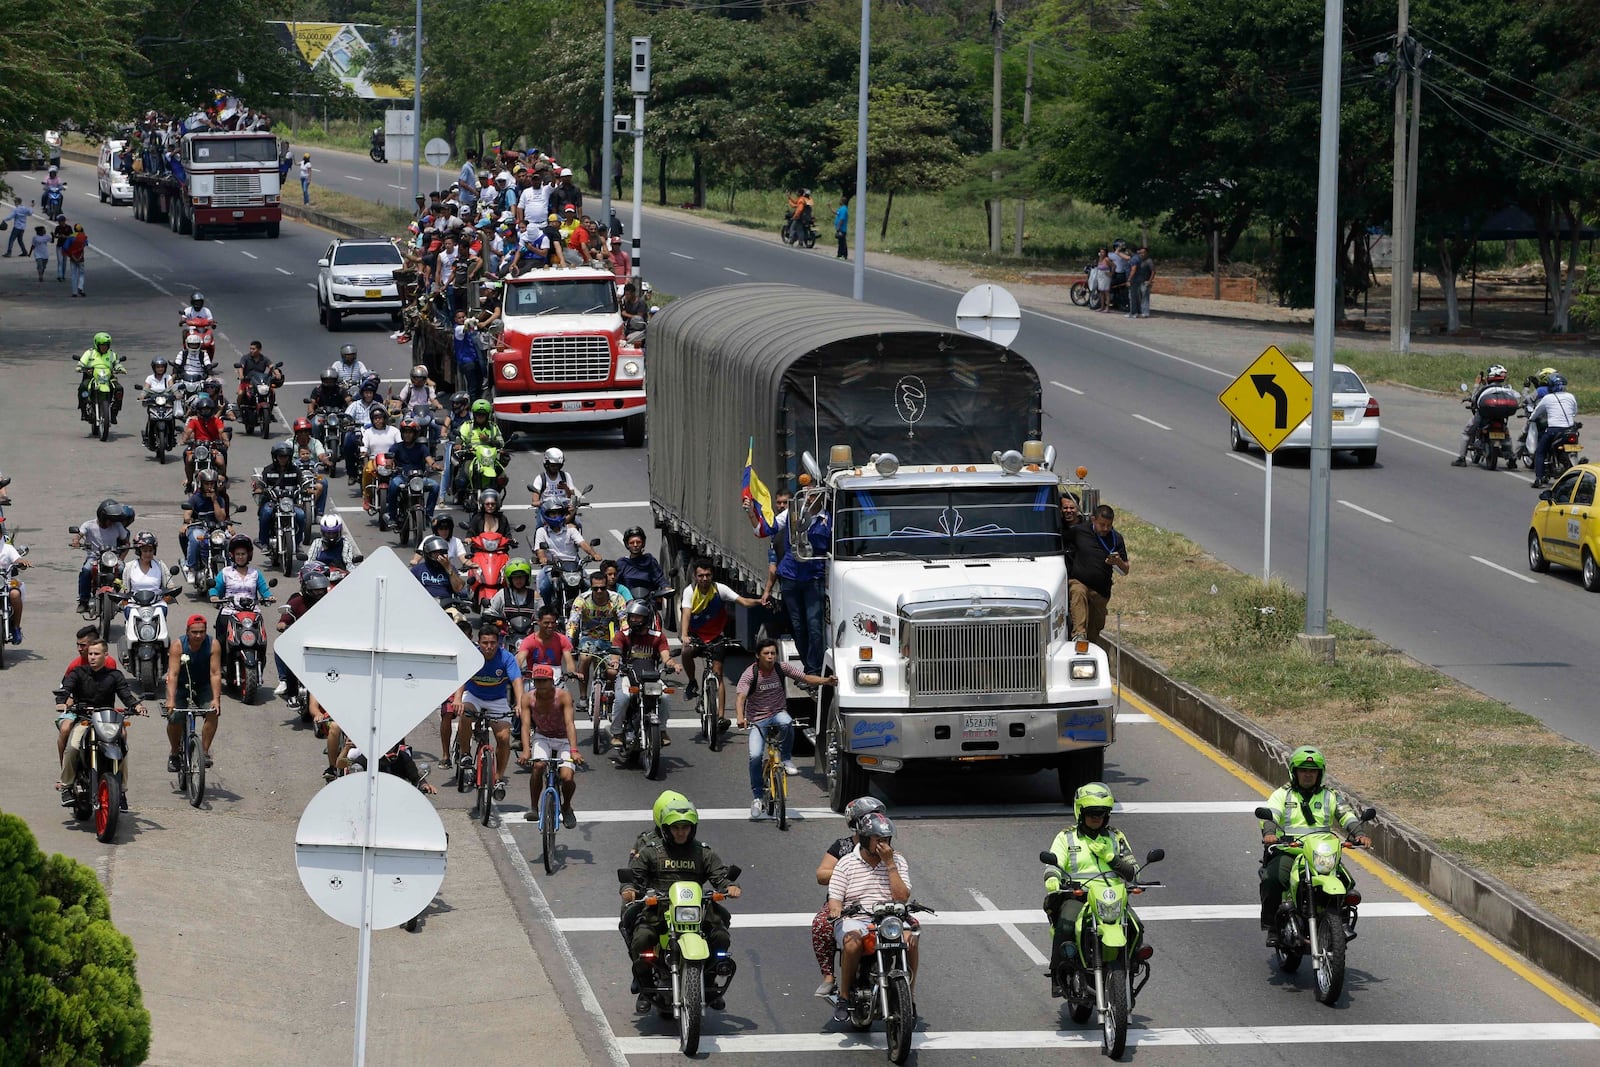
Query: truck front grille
236	190
972	657
571	359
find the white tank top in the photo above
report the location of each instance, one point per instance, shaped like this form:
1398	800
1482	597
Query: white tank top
134	579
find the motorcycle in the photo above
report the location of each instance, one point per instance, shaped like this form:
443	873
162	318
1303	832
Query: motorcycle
256	400
160	433
326	427
1109	968
310	474
411	509
882	985
282	537
97	787
641	734
1565	451
1079	292
487	555
214	554
206	328
683	969
1492	442
50	201
803	234
485	469
102	588
147	635
569	580
204	460
10	578
376	152
1318	913
98	402
244	645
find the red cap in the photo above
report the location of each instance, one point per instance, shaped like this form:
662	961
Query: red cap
201	619
542	670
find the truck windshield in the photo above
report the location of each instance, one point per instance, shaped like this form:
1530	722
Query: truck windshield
947	523
562	297
234	150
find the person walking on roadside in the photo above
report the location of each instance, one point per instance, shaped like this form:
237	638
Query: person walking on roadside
305	178
841	225
74	250
40	246
1142	277
17	219
61	235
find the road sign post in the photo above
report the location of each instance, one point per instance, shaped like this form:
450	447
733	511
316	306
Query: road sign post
1270	399
379	655
989	312
437	153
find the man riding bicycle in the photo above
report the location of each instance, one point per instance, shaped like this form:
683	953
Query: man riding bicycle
555	737
595	619
763	705
703	616
493	694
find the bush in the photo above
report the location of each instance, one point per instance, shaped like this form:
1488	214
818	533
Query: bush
67	985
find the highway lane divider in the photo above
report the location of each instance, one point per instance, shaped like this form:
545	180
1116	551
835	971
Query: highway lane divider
916	813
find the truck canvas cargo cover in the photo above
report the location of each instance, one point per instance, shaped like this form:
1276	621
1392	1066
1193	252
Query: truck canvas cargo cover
801	370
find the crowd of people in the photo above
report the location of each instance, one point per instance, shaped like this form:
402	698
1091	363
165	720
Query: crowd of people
1119	280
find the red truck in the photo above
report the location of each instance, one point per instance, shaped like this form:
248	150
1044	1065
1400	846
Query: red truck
562	360
223	180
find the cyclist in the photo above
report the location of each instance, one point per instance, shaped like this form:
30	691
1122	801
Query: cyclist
638	571
547	645
493	694
872	873
763	705
205	427
703	617
821	925
194	668
638	645
106	533
1090	847
673	854
555	737
596	617
1302	803
516	596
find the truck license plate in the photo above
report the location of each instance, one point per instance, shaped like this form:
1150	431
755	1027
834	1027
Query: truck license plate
979	726
572	405
374	294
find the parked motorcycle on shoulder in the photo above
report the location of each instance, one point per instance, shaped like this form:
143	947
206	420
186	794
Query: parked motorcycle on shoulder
1317	916
160	433
1109	964
802	233
881	988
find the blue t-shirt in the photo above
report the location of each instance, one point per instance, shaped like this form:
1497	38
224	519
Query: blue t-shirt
409	457
436	582
493	680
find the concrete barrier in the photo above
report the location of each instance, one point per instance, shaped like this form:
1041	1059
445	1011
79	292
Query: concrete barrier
1493	906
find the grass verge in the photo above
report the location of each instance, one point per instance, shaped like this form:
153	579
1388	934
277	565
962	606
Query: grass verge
1482	780
384	218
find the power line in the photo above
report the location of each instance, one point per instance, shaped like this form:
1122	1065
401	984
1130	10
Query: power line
1516	99
1443	99
1497	73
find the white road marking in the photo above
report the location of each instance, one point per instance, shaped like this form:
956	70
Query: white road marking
1505	570
943	811
1364	511
310	285
217	242
252	255
546	918
1068	388
1247	461
280	270
680	255
618	535
1114	337
993	916
620	504
1419	441
352	177
1176	1037
740	273
1017	936
1152	422
148	281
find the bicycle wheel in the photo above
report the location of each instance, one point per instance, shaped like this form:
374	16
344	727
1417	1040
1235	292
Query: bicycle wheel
711	711
483	770
549	813
195	756
780	795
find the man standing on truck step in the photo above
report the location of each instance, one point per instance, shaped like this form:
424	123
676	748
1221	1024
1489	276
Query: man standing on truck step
800	581
1094	550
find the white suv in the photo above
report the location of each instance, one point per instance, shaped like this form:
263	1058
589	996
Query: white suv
357	278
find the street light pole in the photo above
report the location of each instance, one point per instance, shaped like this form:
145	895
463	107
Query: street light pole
858	285
416	114
610	109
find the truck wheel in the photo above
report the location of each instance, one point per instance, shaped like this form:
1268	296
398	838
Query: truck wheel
185	217
333	319
172	219
633	431
846	779
1080	768
272	229
198	231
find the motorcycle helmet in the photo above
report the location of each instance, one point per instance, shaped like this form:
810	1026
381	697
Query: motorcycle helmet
487	497
638	614
197	300
107	510
482	407
419	373
554	457
378	412
1557	383
875	824
859	809
430	545
671	808
204	406
1545	374
208	478
1495	375
515	566
1306	757
124	514
158	366
460	400
102	340
1092	797
631	532
282	450
347	352
193	342
446	523
331	527
314	584
302	424
556	515
329	377
146	539
242	541
411	424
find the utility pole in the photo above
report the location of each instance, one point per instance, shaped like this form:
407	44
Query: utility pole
416	114
858	274
608	127
1413	56
1027	117
1400	267
998	23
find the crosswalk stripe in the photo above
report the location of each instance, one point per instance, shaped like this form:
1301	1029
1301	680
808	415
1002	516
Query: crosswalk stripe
1188	1036
774	920
957	811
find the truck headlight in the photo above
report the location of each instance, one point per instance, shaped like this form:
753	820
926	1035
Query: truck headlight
508	371
869	677
1084	669
631	367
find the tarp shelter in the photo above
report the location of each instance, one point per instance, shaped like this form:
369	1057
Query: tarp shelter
1512	223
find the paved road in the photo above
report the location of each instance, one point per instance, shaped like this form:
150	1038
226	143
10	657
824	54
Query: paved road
1429	558
271	975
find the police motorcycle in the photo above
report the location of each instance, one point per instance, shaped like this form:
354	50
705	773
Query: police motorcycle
682	965
1109	966
1317	916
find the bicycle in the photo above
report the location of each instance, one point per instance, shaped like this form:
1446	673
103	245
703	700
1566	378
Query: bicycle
600	695
549	810
774	780
191	751
713	724
476	771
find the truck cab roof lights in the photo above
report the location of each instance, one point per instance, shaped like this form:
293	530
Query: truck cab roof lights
885	464
1038	454
840	456
1009	461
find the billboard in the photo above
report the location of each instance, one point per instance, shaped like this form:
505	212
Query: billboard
334	47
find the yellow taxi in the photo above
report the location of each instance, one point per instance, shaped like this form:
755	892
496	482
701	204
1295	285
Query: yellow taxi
1565	526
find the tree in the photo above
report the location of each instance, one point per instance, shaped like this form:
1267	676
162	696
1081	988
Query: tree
68	991
192	49
908	145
